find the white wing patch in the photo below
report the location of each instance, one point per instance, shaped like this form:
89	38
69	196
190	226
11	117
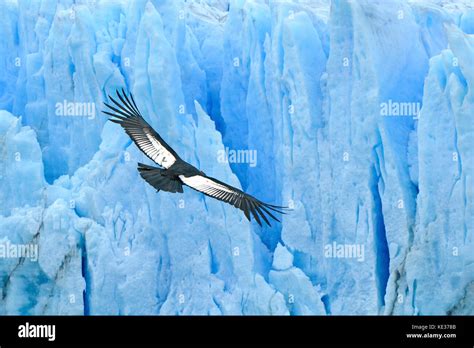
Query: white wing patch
248	204
206	185
158	152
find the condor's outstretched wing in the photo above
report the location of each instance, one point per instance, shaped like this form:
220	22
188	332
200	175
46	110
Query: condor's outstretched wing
239	199
125	113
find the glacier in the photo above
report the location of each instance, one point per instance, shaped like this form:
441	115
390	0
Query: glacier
302	83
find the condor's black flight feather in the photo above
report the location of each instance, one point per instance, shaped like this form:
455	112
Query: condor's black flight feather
174	172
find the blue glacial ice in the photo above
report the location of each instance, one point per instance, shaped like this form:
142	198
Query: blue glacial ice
301	84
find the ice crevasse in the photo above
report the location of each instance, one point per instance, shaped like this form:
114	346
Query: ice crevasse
310	87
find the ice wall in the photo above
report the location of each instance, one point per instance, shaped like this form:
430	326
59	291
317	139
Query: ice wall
303	85
443	240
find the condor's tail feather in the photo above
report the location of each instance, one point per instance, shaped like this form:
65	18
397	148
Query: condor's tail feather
160	179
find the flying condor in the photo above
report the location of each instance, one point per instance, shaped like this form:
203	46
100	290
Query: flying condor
174	172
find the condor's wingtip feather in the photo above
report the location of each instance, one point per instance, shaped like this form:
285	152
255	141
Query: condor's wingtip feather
126	103
262	215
